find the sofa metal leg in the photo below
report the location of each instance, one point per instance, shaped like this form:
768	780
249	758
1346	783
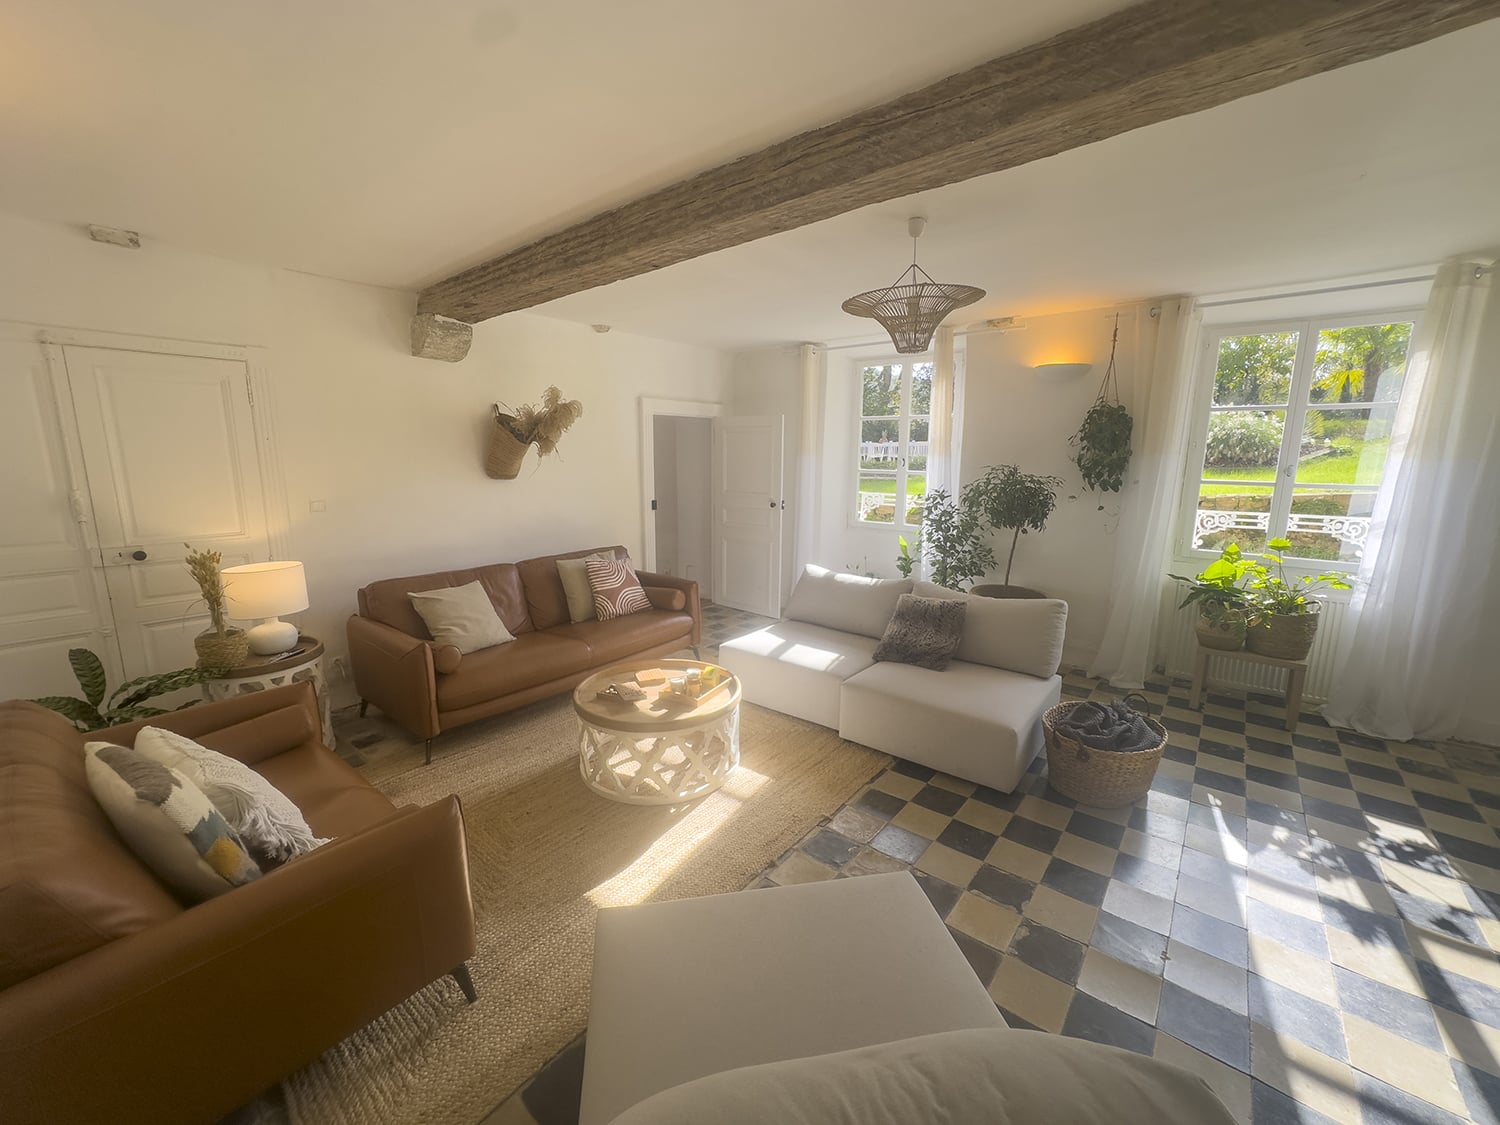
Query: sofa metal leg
696	654
364	706
427	761
466	982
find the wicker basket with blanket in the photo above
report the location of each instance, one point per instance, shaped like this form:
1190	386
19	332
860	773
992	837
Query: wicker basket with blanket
1102	754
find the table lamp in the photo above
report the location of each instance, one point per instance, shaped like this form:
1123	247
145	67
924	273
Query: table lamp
266	590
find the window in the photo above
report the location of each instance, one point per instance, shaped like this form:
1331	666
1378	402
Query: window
895	400
1294	437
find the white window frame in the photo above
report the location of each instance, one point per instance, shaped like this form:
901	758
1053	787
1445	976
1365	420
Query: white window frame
1283	486
905	419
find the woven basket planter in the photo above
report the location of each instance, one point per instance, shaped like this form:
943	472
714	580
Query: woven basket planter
228	651
1227	636
506	450
1286	636
1104	779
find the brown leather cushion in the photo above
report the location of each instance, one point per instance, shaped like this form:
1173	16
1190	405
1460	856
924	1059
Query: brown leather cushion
545	599
664	597
67	882
625	636
331	794
389	600
494	672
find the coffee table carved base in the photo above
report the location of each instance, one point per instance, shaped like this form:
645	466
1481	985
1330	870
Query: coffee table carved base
659	769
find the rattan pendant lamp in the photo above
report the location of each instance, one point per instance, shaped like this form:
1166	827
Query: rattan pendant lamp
912	308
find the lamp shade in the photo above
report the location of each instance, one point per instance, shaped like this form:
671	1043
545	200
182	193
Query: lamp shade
267	589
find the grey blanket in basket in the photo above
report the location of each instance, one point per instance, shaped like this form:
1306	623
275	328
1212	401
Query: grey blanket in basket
1107	726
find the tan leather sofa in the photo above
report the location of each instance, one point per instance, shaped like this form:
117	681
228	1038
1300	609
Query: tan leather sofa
429	688
118	1004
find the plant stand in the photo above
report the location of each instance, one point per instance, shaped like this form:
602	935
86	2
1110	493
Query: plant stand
1296	677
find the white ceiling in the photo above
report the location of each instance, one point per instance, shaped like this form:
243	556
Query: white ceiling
394	143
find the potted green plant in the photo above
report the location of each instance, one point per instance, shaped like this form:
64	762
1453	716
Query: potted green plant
1018	502
127	703
954	540
1223	603
221	645
1283	617
906	561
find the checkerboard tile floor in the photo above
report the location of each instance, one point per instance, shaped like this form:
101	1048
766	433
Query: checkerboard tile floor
1309	921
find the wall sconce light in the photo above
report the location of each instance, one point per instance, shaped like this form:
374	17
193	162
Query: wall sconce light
1059	372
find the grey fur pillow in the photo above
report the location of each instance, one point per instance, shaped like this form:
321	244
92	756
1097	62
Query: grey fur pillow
923	631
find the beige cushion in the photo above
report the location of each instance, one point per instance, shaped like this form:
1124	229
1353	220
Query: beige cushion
923	631
1018	634
267	821
462	616
168	822
950	1078
574	575
850	603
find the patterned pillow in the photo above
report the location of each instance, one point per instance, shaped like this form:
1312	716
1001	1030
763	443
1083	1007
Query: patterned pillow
168	822
617	591
923	631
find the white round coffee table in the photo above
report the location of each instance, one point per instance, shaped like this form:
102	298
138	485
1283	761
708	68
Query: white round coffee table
657	750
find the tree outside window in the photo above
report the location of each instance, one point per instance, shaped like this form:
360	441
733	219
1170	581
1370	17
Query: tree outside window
895	408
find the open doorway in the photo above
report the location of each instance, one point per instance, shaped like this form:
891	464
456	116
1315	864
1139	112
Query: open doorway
683	505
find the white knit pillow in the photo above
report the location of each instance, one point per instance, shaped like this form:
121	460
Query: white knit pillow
265	818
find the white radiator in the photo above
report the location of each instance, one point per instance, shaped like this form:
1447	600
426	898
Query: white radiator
1182	645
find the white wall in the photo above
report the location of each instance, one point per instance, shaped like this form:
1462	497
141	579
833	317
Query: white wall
768	381
392	445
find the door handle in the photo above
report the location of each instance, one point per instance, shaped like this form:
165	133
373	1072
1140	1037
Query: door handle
138	555
123	556
773	503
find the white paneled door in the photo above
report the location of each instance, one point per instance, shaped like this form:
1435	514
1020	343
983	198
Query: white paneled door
168	444
52	597
747	513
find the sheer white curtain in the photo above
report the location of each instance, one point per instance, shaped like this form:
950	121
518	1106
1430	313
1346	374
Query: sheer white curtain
809	470
942	469
1164	378
1430	557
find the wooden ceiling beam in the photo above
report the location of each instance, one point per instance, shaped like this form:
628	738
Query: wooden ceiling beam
1148	63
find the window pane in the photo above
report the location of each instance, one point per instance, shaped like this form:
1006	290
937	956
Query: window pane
1255	370
921	388
1366	363
882	390
916	490
879	443
877	497
1243	444
1345	446
917	449
1329	525
1232	514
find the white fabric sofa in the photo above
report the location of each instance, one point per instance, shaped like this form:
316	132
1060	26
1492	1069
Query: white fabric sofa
979	719
835	1003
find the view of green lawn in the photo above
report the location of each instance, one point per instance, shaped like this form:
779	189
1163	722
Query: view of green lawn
915	486
1337	468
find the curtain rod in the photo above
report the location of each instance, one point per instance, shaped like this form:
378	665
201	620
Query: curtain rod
1314	292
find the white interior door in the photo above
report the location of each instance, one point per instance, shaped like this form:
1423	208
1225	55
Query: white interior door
747	513
52	597
168	442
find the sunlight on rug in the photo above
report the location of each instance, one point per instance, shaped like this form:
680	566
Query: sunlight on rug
545	853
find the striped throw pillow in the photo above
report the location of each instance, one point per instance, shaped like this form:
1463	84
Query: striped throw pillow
617	591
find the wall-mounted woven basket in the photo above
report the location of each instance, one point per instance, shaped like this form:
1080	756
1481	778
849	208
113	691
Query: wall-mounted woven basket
506	450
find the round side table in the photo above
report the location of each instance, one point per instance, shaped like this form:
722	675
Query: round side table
261	673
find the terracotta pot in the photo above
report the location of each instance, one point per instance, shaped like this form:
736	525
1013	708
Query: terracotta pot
1227	636
1286	636
996	590
228	651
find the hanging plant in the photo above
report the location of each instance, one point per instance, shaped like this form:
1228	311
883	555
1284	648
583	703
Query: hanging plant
1103	441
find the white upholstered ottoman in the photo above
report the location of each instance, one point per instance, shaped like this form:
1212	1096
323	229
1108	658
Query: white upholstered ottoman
690	988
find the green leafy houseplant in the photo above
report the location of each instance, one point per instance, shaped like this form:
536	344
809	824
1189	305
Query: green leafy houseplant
1273	595
1103	441
127	702
1219	593
954	539
1007	498
910	553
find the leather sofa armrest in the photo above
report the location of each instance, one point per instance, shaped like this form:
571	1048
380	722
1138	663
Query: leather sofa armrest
394	671
250	728
663	598
297	960
689	589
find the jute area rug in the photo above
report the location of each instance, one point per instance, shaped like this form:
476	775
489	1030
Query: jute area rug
545	853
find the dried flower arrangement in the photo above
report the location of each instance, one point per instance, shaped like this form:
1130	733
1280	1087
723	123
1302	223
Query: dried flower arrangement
222	645
542	426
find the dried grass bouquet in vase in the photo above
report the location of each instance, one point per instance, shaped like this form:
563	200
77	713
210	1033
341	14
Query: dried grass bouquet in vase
542	426
221	645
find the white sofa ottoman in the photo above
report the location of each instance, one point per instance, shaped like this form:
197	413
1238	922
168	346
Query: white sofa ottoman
690	988
797	668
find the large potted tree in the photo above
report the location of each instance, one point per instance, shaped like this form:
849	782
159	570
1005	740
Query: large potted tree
1017	502
954	541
